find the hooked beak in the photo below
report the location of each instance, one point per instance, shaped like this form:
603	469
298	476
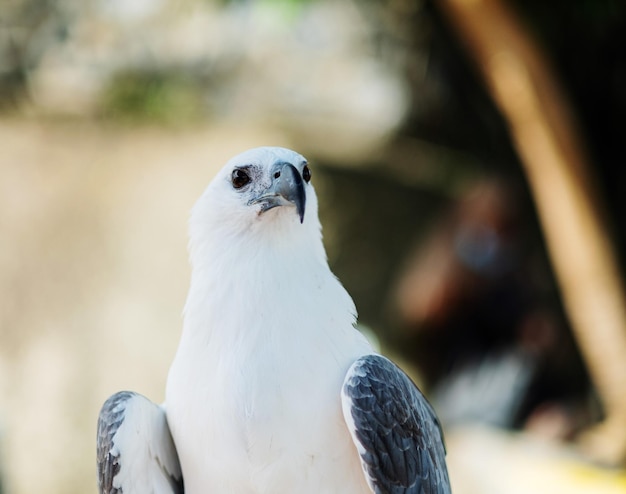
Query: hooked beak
286	189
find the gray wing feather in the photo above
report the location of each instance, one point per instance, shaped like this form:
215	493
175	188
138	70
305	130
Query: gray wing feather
135	451
111	416
395	430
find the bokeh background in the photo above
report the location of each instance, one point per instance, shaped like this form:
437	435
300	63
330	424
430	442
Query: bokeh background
470	162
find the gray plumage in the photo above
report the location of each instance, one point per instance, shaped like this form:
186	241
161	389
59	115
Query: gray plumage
395	430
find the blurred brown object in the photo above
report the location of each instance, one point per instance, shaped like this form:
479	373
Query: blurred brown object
470	248
525	89
479	317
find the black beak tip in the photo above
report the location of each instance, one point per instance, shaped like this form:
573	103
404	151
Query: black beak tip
291	187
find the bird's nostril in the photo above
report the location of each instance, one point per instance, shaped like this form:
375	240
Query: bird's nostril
277	174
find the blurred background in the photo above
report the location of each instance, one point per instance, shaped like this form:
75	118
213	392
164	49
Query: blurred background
470	162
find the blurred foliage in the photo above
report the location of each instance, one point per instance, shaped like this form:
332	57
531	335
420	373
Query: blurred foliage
28	29
151	96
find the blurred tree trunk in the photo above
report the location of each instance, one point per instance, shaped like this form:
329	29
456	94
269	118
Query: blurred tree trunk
521	82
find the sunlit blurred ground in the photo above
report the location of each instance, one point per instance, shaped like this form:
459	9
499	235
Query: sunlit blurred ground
93	277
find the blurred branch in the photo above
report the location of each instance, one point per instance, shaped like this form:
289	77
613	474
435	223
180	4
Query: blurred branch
523	85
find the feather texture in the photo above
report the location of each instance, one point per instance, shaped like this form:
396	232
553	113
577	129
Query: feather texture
395	429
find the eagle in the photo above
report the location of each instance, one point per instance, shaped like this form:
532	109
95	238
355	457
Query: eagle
272	389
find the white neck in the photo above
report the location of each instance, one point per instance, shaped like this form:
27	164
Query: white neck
266	280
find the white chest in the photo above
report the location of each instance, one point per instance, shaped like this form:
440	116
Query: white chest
263	422
254	393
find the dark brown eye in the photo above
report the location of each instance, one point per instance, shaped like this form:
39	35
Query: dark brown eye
306	174
239	178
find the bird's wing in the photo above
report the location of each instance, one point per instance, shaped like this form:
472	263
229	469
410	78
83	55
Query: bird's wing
394	429
136	454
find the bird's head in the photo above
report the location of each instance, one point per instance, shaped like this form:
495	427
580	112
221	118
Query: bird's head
263	192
